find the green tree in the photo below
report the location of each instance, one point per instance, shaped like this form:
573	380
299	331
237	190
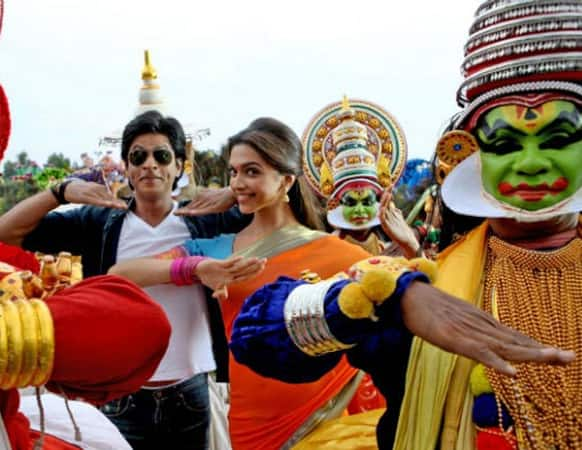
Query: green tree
210	165
58	161
12	192
22	159
9	169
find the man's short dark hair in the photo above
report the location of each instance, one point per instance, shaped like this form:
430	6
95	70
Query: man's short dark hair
154	122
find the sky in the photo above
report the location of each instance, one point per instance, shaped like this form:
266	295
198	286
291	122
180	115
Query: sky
71	68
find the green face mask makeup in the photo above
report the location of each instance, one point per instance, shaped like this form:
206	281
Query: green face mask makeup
359	206
531	158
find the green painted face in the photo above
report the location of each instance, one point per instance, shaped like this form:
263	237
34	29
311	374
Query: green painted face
359	206
531	157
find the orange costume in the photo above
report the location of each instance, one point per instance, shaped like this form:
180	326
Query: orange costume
266	413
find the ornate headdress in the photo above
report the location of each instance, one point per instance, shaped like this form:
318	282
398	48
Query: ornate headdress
519	52
352	146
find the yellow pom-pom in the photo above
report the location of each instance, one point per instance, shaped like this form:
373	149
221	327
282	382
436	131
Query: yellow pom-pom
353	302
426	266
479	382
378	285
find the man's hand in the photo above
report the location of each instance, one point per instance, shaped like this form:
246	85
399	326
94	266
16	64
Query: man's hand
208	201
89	193
395	226
458	327
218	274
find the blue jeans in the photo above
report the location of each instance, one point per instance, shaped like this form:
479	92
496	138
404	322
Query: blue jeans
175	417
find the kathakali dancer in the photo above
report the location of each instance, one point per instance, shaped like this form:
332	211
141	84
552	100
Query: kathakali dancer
97	340
354	150
512	156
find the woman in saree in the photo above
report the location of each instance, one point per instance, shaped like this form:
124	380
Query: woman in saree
266	178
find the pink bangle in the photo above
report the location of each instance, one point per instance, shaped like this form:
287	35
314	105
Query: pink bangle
182	270
176	272
189	268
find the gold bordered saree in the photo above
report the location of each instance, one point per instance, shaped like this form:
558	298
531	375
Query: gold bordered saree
266	413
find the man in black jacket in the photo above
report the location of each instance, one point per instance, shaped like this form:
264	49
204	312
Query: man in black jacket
153	149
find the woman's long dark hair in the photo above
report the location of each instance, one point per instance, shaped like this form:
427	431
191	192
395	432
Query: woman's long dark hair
281	148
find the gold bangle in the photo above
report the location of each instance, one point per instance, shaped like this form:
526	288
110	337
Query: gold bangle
30	338
15	345
3	344
46	333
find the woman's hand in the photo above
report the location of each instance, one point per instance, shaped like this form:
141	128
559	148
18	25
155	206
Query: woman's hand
458	327
208	201
218	274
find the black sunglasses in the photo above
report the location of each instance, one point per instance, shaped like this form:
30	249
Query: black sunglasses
138	157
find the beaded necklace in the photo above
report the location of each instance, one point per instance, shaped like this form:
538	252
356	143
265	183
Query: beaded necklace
540	294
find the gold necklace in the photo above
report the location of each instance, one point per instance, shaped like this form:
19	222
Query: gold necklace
540	294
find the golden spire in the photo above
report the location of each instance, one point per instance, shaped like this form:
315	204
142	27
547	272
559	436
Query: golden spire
148	72
345	103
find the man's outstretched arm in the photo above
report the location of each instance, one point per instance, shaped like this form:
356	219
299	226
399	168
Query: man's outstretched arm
279	332
17	223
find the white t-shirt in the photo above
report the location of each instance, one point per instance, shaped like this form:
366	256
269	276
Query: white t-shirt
190	349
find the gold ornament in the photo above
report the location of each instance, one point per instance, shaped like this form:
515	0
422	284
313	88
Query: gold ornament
46	354
538	293
148	72
384	175
454	146
326	180
441	172
26	343
15	345
332	122
30	342
3	344
309	276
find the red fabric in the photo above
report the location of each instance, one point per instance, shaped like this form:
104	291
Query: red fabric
20	259
366	398
51	442
494	440
17	425
109	338
4	118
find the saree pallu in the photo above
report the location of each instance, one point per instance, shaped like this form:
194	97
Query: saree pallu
265	413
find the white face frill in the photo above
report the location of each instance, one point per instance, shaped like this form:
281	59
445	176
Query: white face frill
463	192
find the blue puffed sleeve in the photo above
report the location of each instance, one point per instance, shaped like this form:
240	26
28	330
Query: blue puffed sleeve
260	339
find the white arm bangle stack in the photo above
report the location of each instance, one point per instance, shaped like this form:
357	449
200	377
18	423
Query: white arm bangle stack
305	320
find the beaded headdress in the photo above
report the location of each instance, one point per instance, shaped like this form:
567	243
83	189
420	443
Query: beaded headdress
517	51
352	145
